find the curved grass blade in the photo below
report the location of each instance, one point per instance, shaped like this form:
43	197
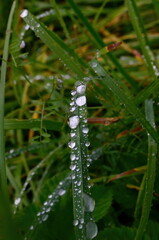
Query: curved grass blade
150	174
56	44
142	38
123	98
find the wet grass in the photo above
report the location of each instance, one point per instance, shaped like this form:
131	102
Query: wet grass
56	50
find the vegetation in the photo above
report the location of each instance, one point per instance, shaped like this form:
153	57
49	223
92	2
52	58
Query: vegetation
78	120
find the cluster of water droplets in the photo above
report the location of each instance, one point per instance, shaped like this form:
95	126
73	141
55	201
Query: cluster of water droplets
80	161
50	203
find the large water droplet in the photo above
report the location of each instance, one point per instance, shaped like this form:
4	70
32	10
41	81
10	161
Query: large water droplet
73	122
71	144
80	101
89	203
81	89
91	230
24	13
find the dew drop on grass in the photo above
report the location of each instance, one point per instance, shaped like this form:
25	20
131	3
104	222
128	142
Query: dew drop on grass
17	201
91	230
72	134
80	101
73	167
62	192
73	92
75	222
44	218
85	130
73	157
24	13
89	203
71	144
81	89
73	122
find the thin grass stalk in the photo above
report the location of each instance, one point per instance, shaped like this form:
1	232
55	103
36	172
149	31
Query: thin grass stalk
5	214
142	38
150	174
156	6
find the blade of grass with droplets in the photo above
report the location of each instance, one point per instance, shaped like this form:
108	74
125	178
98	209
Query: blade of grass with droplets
150	174
142	38
83	204
48	205
56	44
114	86
100	44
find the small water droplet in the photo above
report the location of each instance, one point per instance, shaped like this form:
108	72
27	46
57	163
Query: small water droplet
73	167
81	89
73	157
75	222
24	13
71	144
17	201
73	92
62	192
85	130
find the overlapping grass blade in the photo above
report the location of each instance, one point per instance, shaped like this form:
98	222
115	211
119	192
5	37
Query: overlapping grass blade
142	38
150	174
57	45
127	102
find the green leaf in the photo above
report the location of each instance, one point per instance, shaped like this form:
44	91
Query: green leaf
103	197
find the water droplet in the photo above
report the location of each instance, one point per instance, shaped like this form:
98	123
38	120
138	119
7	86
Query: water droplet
81	89
75	222
62	192
94	65
80	226
85	130
89	203
72	109
31	227
73	167
87	144
72	134
71	144
44	218
91	230
17	201
24	13
73	92
73	122
22	45
73	157
80	101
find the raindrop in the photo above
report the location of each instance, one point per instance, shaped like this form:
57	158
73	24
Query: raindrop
73	167
73	122
73	157
62	192
22	45
24	13
89	203
75	222
85	130
81	89
91	230
71	144
80	101
17	201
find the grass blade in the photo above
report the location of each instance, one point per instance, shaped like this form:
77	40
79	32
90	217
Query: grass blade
150	174
83	204
142	37
56	44
123	98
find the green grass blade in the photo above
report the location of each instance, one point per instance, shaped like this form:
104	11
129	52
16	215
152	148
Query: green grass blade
59	16
83	204
56	44
31	123
123	98
156	6
142	37
150	174
100	44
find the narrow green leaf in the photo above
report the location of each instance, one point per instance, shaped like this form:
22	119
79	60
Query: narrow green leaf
150	174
